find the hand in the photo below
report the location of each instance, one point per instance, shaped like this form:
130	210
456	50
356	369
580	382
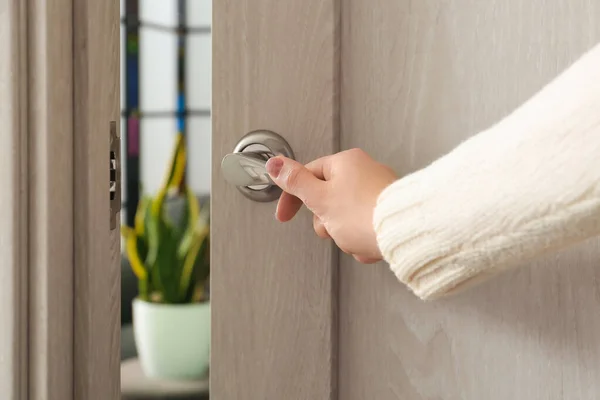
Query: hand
341	190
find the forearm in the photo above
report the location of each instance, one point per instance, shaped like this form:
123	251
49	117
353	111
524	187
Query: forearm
528	185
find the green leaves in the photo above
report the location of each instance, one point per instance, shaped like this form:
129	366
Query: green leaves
176	172
169	255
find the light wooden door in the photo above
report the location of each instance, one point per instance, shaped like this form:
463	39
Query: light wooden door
273	286
418	77
406	81
59	282
96	252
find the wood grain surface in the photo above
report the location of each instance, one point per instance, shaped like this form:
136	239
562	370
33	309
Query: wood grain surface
418	78
50	171
273	286
97	248
13	200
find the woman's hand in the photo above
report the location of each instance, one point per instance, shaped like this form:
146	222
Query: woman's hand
341	190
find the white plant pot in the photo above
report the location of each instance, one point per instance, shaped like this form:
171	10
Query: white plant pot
172	340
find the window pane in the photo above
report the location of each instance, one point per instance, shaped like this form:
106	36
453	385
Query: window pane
160	12
198	71
199	13
157	137
198	140
158	70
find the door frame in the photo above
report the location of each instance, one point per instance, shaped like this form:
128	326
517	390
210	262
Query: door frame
36	157
60	298
50	197
13	212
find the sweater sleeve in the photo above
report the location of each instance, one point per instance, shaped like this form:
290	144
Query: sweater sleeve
528	185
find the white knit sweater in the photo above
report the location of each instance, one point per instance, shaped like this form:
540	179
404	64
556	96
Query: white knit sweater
526	186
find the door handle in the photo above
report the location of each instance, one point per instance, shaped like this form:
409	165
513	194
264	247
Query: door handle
245	168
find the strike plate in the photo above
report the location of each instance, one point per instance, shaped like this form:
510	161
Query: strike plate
115	174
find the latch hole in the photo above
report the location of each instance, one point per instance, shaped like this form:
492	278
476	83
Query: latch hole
113	175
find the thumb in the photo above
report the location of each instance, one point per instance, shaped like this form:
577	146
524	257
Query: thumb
293	178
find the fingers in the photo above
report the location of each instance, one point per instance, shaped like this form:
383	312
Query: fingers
321	232
365	260
297	180
287	207
288	204
319	228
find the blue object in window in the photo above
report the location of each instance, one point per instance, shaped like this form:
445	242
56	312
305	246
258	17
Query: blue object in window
181	112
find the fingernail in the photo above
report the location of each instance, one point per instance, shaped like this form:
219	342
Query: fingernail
274	166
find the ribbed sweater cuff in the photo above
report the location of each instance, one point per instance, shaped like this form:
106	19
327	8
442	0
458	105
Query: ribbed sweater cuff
412	243
527	185
438	239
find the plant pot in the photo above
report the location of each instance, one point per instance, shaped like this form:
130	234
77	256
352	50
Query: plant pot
172	340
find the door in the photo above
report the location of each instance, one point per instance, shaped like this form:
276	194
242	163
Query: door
96	199
59	282
406	81
420	77
273	286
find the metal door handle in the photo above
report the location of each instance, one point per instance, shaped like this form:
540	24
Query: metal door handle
245	167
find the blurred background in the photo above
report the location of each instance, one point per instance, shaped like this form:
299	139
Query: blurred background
165	89
165	97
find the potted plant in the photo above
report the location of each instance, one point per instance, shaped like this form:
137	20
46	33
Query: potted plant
169	255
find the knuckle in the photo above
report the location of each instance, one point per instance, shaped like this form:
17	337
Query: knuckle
352	155
321	232
356	152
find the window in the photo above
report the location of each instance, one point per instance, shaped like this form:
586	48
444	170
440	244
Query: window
165	88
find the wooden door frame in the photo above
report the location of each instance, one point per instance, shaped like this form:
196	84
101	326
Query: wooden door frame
13	200
50	198
60	292
36	157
